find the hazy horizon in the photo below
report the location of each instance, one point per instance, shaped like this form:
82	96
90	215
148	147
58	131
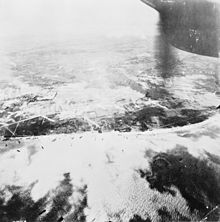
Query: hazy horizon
58	19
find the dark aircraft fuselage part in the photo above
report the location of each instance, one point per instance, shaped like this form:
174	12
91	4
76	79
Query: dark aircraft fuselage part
190	25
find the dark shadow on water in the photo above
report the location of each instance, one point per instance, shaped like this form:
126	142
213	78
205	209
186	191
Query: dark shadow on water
52	207
197	179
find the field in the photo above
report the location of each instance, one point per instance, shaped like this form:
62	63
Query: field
104	84
109	129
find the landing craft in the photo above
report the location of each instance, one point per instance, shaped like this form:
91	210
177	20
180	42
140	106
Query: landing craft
190	25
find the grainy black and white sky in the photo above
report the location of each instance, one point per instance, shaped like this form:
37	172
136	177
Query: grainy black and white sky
76	17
